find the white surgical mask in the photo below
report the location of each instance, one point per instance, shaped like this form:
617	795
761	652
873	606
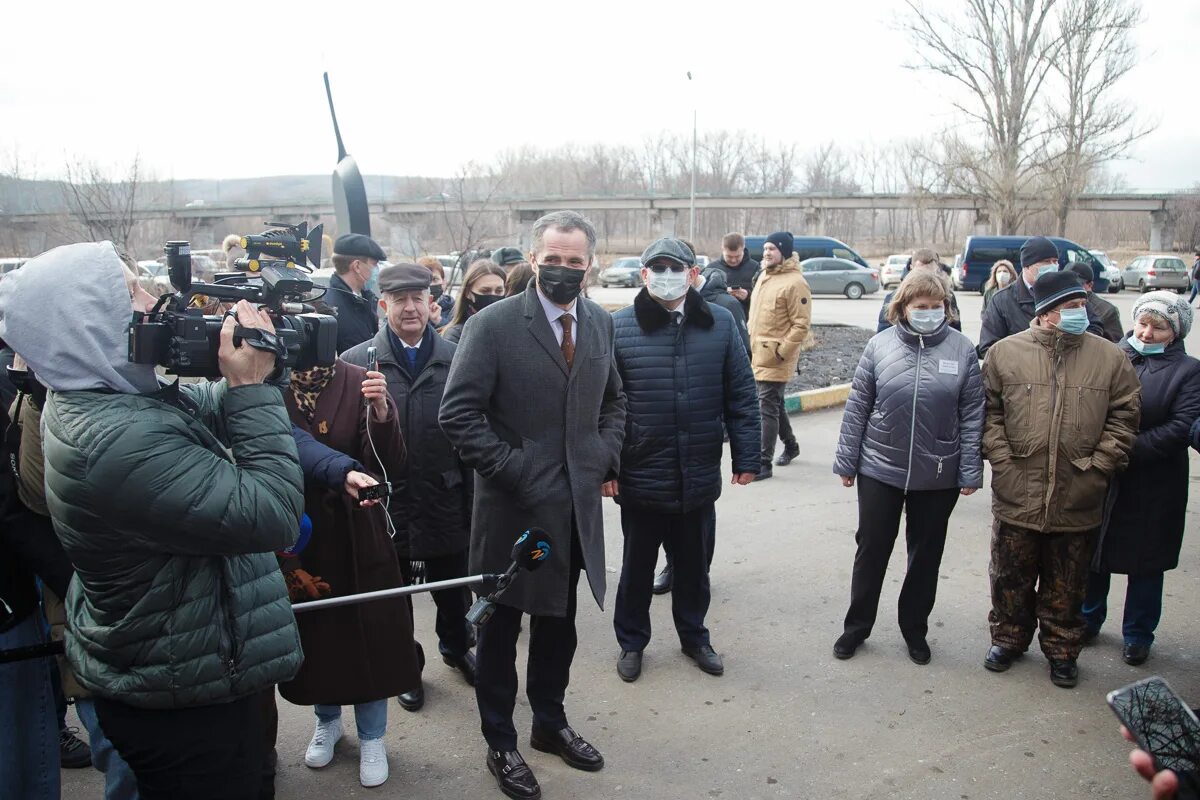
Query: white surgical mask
668	285
1044	268
926	320
1003	278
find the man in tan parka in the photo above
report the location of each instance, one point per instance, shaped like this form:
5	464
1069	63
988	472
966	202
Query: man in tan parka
1062	413
780	317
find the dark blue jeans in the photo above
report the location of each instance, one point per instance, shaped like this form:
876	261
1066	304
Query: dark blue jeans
685	538
1143	605
1195	291
29	729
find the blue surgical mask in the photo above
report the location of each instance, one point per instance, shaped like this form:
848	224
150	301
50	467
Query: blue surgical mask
1042	270
926	320
1146	349
1073	320
372	284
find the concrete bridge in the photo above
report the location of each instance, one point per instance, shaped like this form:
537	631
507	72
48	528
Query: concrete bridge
664	212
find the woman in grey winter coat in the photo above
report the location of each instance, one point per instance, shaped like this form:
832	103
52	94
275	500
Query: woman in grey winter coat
911	439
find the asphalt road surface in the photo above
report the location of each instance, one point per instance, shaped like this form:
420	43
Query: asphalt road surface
787	720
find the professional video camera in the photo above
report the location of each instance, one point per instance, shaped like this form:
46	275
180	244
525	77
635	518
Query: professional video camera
273	275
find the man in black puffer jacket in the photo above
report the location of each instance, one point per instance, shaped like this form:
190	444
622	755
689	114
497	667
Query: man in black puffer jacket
687	378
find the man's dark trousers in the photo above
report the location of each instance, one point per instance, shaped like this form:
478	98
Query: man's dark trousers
552	643
451	604
775	422
928	515
710	539
198	752
684	537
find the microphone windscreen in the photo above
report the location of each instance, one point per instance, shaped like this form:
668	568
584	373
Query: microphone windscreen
531	549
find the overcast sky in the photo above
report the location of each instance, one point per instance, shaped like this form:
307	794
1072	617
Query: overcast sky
233	89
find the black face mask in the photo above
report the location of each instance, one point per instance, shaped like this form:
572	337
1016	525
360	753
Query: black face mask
482	301
561	284
435	291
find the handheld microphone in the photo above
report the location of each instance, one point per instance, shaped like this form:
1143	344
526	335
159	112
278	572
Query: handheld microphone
529	552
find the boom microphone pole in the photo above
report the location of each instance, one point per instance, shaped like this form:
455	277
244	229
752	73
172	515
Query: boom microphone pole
528	553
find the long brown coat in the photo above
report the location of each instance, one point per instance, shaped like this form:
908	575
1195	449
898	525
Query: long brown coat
1062	415
363	652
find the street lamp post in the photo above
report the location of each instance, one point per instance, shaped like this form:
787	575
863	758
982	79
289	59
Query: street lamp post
692	203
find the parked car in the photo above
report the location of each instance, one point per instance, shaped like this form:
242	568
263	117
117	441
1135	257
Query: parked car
956	272
891	271
1157	271
840	276
806	247
622	272
1111	271
982	252
153	277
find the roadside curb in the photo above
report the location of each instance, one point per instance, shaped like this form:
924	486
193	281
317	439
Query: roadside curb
815	399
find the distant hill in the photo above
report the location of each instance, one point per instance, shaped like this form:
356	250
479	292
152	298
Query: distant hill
18	196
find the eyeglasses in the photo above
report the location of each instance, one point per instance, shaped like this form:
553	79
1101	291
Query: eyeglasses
661	268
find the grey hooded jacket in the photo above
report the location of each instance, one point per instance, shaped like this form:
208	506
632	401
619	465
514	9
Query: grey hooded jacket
168	502
914	417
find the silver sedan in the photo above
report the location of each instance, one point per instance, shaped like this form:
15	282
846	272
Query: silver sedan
839	276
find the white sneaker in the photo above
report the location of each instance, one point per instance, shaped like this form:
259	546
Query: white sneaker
320	749
372	762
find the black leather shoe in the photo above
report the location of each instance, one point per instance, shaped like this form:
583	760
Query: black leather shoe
790	451
629	665
412	701
663	580
845	646
998	658
1064	673
513	775
918	651
764	473
1135	654
1090	635
464	664
707	659
570	747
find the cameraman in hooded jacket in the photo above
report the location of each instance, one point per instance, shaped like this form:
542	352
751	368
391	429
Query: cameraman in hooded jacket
169	502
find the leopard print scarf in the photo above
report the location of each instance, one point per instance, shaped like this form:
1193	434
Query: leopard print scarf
307	387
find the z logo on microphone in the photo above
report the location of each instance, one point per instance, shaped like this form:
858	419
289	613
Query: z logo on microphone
541	552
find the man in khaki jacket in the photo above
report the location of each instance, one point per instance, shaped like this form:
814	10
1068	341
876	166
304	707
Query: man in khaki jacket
1062	412
780	315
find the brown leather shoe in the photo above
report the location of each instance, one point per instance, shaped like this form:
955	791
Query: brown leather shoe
513	775
570	747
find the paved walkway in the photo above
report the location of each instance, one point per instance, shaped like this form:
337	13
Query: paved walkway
788	720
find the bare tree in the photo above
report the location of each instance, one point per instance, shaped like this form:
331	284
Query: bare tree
1091	128
101	205
466	209
1000	52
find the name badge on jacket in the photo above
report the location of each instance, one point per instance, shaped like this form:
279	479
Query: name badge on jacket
947	367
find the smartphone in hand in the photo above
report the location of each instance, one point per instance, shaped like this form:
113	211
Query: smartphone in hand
1160	722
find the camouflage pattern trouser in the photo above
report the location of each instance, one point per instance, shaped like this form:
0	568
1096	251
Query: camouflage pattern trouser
1039	579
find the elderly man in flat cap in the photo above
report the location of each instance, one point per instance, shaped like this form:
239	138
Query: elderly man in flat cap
431	509
353	291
